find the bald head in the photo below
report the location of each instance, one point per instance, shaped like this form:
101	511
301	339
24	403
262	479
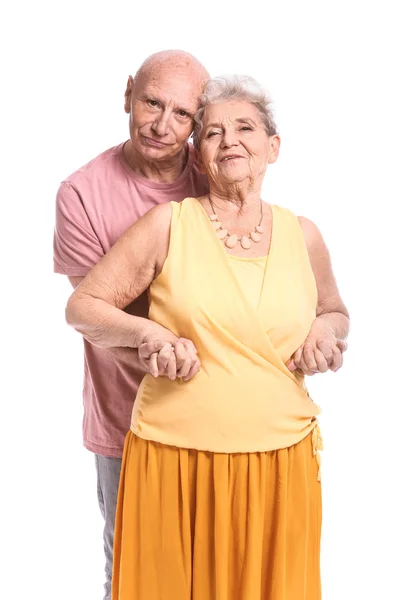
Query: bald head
175	63
162	100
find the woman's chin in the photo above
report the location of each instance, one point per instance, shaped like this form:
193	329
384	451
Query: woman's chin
230	178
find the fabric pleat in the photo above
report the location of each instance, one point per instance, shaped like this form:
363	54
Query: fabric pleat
194	525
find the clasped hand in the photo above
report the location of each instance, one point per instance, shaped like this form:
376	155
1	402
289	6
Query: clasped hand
163	354
322	351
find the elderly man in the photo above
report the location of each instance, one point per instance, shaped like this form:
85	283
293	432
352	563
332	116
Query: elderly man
94	206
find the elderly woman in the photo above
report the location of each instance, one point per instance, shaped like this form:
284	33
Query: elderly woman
220	494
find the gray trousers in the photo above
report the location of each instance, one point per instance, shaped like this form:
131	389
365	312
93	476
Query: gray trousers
108	474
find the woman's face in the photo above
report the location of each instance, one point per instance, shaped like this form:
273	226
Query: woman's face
235	147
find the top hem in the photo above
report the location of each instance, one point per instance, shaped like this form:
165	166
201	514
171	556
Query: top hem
103	450
262	448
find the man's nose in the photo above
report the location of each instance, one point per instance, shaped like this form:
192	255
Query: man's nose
162	124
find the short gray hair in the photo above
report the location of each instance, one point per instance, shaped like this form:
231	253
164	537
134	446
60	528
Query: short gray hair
234	87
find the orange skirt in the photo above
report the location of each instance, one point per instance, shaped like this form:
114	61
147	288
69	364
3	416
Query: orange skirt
195	525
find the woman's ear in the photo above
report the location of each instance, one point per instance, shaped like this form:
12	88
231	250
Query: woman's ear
274	149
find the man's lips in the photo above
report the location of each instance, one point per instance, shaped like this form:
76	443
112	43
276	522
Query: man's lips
154	143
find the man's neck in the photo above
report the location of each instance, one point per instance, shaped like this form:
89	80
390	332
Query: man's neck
160	171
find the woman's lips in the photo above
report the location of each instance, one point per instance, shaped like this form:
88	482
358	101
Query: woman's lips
231	157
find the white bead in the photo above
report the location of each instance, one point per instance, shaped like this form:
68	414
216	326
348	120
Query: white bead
217	224
260	229
213	217
256	237
222	233
245	242
231	241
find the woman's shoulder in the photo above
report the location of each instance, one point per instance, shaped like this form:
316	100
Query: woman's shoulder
311	232
159	218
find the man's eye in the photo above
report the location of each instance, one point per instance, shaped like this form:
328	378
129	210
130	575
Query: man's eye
182	113
152	102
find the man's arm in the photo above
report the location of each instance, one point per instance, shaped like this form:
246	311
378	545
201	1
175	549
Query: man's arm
128	356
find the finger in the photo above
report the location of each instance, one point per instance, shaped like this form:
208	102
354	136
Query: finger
171	369
180	354
146	350
153	364
184	370
297	356
164	356
321	361
191	367
306	371
326	349
195	367
308	357
342	345
337	360
304	368
294	361
189	346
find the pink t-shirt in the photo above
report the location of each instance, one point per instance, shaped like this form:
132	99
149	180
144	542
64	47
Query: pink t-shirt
94	207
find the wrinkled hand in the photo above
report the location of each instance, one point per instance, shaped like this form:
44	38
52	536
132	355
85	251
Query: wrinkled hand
175	357
321	352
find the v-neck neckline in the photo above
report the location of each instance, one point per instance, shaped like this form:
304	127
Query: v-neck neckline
219	241
229	256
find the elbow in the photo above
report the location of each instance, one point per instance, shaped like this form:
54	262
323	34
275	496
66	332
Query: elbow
75	315
71	312
80	314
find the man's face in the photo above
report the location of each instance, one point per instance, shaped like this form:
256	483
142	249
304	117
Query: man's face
162	104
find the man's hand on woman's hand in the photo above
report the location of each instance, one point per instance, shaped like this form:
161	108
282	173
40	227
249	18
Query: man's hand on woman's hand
163	354
321	352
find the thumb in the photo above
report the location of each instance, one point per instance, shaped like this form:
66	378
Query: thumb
291	365
342	345
147	349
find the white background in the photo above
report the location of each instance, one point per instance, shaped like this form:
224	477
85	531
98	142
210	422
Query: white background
329	69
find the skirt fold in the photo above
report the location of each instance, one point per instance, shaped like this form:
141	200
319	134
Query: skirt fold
194	525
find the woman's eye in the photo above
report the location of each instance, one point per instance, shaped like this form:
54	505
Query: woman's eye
212	133
182	113
246	128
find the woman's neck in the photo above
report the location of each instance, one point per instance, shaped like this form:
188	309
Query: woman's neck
236	205
237	198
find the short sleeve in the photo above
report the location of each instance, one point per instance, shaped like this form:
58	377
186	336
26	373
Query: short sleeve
76	246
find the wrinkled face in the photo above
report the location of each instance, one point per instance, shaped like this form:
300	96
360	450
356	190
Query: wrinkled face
162	104
234	146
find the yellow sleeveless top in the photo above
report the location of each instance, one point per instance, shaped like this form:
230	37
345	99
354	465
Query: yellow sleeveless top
244	398
250	274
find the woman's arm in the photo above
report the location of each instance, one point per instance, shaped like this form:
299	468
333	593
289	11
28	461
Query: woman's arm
325	343
130	266
95	308
128	356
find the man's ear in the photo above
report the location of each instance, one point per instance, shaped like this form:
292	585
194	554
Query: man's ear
128	94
